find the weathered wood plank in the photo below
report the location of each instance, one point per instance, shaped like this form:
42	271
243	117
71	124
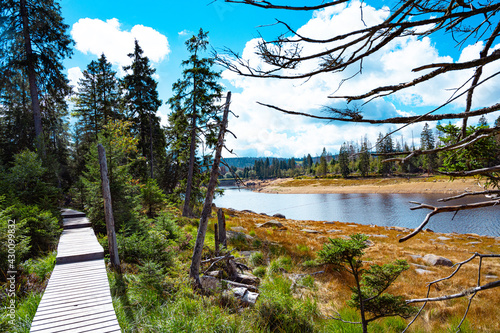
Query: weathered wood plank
77	297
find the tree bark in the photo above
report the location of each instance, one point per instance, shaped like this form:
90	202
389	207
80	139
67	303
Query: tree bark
222	227
30	60
108	209
186	211
207	207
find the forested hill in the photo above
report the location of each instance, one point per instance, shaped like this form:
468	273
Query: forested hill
247	162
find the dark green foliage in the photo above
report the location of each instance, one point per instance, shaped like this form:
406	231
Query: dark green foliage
152	197
368	292
36	233
481	154
427	142
28	182
194	114
141	102
96	103
373	284
32	78
119	146
155	244
364	159
344	160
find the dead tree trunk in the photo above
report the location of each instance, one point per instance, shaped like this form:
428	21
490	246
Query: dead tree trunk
207	207
108	209
222	227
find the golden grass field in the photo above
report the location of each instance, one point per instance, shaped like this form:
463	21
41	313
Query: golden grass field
333	287
435	184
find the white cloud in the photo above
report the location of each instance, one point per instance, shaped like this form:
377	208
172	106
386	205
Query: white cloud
95	36
184	32
264	132
74	75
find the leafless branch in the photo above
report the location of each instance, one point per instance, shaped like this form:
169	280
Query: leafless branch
463	195
476	172
467	292
442	209
394	120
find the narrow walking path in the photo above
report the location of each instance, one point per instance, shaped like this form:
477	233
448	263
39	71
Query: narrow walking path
77	297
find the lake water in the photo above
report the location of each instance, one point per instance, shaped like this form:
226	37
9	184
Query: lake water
365	208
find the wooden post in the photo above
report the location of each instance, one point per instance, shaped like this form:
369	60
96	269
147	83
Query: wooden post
216	237
108	209
222	227
194	271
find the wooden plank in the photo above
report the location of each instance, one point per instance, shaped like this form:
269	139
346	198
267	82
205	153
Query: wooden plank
76	222
69	213
77	297
78	245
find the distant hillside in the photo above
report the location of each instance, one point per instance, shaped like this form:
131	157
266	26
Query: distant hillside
242	162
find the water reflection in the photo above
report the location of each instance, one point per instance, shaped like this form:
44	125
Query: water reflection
366	208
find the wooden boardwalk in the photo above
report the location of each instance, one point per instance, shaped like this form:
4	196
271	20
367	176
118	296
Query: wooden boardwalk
77	297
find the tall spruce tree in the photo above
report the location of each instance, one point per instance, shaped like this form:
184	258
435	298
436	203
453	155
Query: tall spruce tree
194	109
344	160
364	159
34	43
96	103
141	104
427	142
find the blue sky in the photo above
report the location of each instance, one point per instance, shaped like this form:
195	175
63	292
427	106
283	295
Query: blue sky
162	28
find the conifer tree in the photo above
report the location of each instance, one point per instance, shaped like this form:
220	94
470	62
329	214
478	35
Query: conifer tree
364	159
427	142
344	160
34	43
96	103
193	108
141	104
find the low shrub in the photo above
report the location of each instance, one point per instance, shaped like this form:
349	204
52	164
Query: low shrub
259	271
279	311
256	259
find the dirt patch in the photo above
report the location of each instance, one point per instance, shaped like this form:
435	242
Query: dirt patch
376	185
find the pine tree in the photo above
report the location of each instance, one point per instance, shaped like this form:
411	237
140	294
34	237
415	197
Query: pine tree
194	110
364	159
344	160
427	142
141	104
97	102
34	43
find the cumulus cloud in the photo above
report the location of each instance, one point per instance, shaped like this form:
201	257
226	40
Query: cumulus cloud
263	132
74	75
95	36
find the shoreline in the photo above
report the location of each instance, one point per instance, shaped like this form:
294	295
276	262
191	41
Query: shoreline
382	185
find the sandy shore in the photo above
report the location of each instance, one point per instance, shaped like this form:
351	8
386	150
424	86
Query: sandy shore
386	185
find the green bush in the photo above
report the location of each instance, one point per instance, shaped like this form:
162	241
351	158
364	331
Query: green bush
152	246
259	271
34	232
282	264
256	259
152	197
279	311
29	183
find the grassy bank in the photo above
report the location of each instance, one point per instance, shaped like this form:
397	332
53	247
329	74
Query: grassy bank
150	296
434	184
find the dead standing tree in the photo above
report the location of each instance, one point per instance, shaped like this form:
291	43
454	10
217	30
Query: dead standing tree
207	207
466	23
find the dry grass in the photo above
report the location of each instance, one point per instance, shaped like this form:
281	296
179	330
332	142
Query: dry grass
333	288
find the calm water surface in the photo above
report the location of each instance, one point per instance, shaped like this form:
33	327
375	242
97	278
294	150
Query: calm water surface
365	208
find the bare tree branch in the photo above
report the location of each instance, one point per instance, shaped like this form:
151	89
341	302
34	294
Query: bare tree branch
394	120
442	209
463	195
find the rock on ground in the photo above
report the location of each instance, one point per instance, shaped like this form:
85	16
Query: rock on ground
434	260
